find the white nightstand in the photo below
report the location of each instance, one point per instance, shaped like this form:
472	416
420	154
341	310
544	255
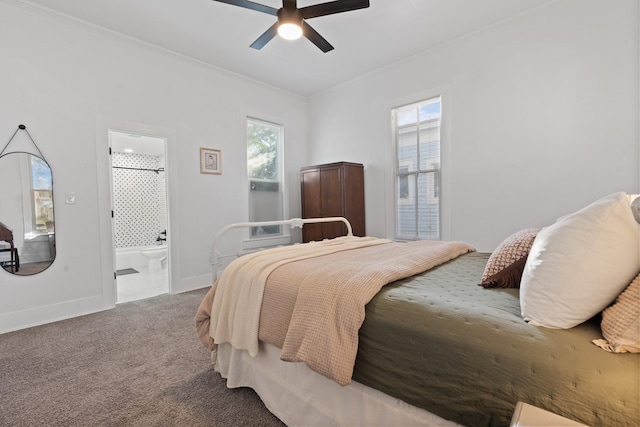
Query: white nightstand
526	415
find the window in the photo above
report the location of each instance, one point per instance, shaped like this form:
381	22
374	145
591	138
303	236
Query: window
42	196
264	169
417	165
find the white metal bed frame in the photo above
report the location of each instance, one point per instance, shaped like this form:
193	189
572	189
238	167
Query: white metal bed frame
293	223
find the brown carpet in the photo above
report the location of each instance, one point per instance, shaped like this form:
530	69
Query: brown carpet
140	364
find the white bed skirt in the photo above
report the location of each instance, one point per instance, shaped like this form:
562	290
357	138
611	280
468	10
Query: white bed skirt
301	397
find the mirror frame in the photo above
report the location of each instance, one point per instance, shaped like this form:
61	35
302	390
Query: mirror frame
27	203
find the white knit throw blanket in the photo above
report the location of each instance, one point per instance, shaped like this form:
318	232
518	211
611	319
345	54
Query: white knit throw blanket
235	314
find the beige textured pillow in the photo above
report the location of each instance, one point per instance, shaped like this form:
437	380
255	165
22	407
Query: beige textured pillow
621	322
505	265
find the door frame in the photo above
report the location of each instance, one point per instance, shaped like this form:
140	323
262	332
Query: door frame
105	200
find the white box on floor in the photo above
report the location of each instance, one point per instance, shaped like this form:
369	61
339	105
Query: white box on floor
526	415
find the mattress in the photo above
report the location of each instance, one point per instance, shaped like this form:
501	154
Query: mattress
440	342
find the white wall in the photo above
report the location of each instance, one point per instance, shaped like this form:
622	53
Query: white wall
69	83
541	117
541	110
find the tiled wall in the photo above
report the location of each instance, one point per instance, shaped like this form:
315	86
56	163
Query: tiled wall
139	199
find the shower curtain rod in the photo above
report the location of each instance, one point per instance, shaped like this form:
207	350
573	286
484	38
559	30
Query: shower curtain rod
139	169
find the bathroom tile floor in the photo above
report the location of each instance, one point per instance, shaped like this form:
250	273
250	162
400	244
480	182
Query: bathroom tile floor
132	287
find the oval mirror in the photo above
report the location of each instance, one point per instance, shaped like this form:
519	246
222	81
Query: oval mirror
27	227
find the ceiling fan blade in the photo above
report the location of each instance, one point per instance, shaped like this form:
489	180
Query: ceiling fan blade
332	7
265	37
251	5
315	38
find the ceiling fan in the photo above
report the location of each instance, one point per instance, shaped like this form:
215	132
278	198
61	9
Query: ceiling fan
291	19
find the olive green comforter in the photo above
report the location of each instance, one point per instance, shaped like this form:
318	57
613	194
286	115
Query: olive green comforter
441	342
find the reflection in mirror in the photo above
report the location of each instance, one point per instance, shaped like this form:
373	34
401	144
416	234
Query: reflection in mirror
27	227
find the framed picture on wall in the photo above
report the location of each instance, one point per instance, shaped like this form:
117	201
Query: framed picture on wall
210	161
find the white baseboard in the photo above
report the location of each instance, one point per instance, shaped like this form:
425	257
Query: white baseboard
193	283
37	316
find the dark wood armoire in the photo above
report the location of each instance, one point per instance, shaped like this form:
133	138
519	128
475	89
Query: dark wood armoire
334	189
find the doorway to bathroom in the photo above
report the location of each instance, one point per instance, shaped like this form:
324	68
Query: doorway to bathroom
139	204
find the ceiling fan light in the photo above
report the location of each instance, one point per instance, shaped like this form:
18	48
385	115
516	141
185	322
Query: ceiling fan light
289	31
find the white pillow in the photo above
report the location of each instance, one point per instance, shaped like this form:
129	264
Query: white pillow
580	264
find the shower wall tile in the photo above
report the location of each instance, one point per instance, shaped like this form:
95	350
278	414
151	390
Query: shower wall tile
139	199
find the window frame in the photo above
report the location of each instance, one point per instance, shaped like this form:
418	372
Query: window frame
413	175
281	231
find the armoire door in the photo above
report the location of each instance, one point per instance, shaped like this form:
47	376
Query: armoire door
311	203
332	200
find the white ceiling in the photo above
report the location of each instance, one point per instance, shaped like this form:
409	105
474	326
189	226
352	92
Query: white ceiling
136	144
220	34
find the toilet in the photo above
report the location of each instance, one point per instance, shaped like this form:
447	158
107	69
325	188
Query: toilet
155	257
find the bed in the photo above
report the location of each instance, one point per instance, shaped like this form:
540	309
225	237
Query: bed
434	348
